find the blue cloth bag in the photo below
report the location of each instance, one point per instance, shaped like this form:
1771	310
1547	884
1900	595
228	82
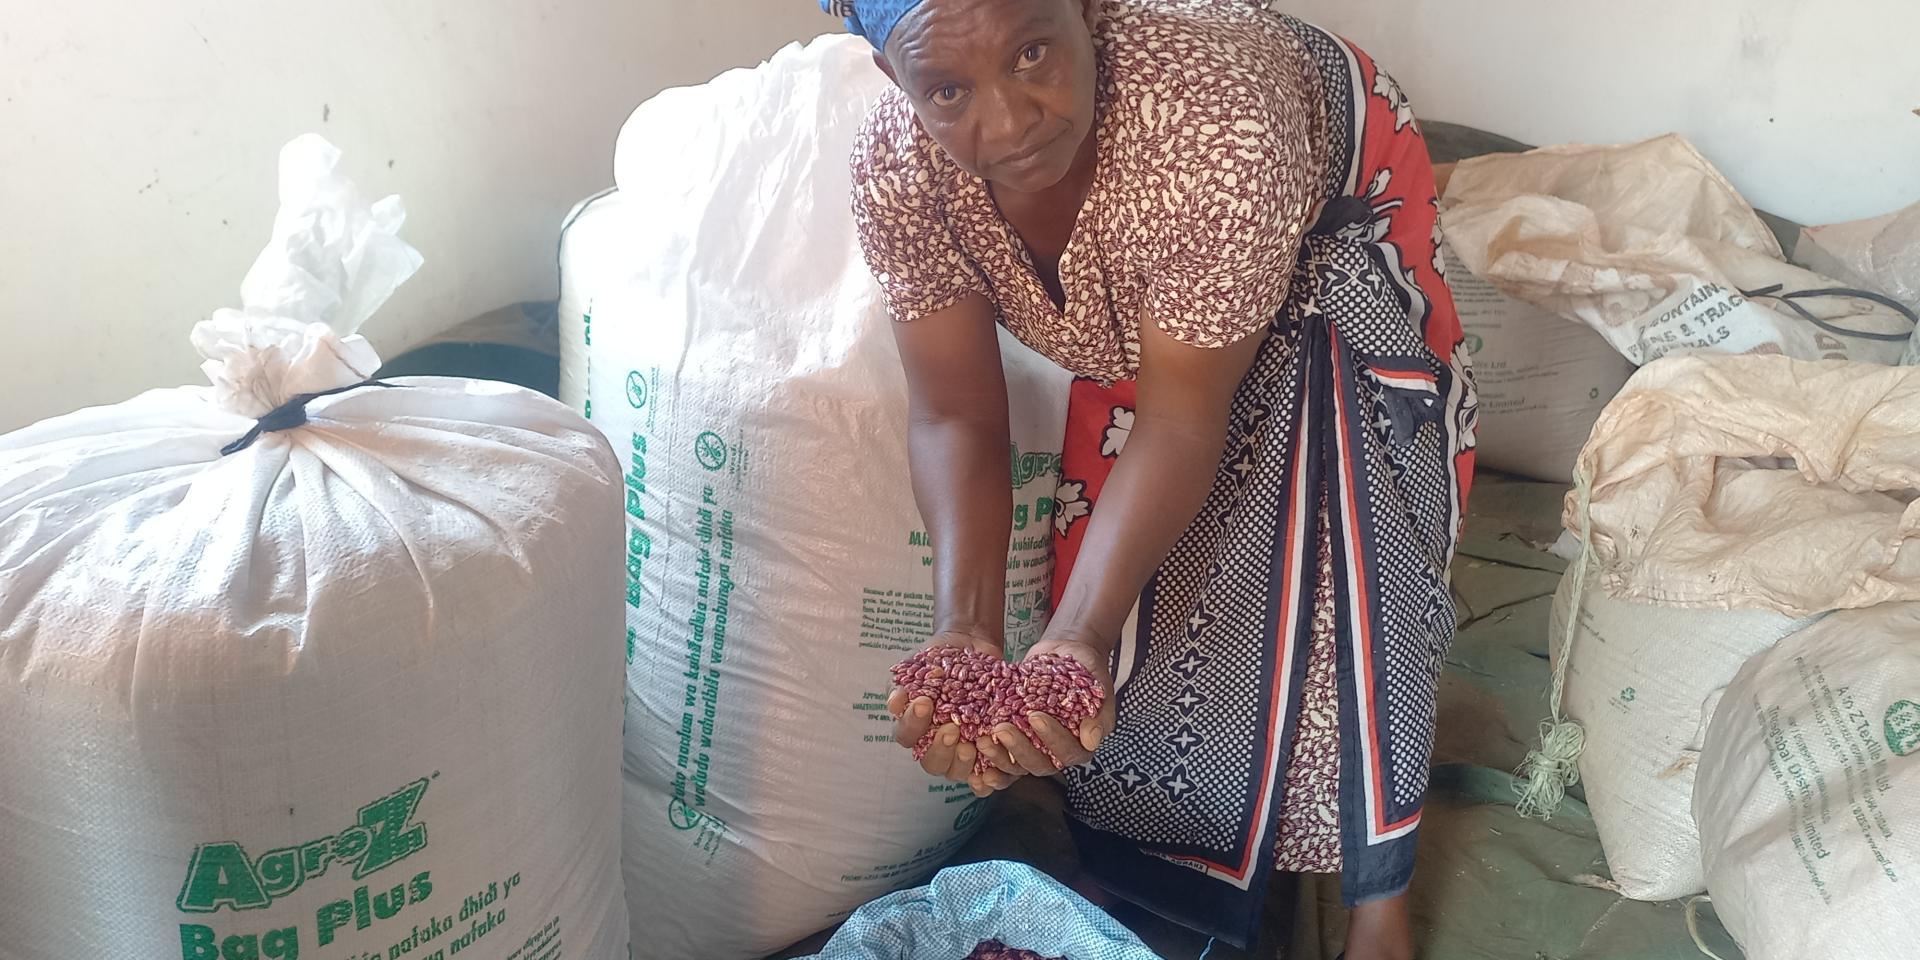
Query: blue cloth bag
997	900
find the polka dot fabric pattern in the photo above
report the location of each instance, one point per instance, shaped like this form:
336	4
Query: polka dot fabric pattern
1255	175
1205	622
1266	685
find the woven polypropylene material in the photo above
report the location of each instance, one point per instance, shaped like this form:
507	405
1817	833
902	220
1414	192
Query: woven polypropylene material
964	905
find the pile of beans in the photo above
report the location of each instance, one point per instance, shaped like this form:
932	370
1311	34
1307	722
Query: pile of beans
995	950
980	691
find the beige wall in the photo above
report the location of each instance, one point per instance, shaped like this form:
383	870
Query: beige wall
138	139
1807	105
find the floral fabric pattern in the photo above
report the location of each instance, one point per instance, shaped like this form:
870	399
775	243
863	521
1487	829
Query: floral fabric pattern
1212	155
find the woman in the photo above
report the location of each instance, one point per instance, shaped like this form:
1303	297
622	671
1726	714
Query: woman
1223	221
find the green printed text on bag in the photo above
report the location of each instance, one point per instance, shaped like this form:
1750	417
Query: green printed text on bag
222	875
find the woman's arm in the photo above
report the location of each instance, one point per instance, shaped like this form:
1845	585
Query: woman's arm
958	451
958	442
1157	486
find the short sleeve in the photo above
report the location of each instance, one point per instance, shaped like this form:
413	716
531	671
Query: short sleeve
1236	200
907	240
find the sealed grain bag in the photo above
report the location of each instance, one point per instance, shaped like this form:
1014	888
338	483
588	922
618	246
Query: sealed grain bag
726	334
1809	793
1542	379
1725	502
1654	249
1643	681
307	665
1757	482
1881	254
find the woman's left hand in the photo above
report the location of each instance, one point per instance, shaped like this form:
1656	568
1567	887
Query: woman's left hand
1009	749
1184	399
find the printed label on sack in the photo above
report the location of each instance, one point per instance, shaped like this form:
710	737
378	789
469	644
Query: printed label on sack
586	352
1709	317
1830	760
1513	381
899	622
720	457
703	675
703	634
706	832
1902	726
1036	480
373	912
640	394
222	875
924	860
971	812
706	653
1700	320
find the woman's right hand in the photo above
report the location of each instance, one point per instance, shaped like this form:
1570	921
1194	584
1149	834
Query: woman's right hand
947	756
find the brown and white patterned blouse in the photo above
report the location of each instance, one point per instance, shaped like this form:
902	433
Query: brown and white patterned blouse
1211	149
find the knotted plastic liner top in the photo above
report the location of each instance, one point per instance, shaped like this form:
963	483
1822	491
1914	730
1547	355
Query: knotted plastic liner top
333	260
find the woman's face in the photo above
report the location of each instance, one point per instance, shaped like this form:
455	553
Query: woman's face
1005	86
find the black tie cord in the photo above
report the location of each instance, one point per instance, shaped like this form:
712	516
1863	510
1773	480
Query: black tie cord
289	415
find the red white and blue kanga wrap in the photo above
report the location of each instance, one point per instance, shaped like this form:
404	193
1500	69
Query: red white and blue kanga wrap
1362	396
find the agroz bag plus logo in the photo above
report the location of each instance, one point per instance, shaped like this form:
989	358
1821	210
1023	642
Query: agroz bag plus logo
222	875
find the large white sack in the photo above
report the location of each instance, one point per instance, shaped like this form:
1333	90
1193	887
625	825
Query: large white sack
1809	792
350	691
1881	254
1724	499
1680	515
1648	244
593	257
739	357
1643	681
1542	379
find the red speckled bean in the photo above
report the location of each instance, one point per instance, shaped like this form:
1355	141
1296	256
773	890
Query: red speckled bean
979	692
995	950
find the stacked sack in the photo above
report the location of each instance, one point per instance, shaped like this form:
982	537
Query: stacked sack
722	328
1727	505
1572	265
1808	798
306	665
1542	380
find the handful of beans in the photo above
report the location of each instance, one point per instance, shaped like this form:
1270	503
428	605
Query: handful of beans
979	691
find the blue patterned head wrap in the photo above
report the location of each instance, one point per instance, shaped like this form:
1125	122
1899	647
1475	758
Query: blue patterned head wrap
873	19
